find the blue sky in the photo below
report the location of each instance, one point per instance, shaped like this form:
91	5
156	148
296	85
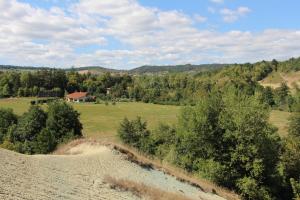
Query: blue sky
130	33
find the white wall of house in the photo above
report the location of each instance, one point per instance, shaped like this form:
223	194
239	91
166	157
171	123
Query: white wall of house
83	99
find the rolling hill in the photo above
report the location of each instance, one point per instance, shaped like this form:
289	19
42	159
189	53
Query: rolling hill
139	70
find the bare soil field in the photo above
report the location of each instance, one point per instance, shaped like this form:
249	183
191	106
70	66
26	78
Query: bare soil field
80	174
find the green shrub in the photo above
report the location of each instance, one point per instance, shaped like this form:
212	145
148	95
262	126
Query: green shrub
7	118
296	188
37	131
45	142
134	133
63	121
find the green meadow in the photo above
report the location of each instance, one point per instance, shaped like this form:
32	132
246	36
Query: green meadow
102	121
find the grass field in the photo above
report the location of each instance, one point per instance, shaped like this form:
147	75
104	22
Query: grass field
101	121
280	120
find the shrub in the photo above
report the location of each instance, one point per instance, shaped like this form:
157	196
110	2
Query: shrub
45	142
296	188
37	131
294	124
7	118
29	126
134	133
63	121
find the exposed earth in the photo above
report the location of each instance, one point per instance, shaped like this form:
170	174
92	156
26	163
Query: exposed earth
80	174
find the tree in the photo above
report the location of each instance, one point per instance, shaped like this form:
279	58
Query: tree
281	94
275	64
296	188
268	96
63	121
134	133
294	124
29	126
45	142
198	132
7	118
232	136
6	92
290	157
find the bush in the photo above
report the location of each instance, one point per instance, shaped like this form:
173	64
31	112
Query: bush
294	124
37	131
249	189
29	126
296	188
134	133
63	121
7	118
45	142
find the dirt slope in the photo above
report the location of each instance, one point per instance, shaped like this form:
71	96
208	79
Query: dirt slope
275	79
80	176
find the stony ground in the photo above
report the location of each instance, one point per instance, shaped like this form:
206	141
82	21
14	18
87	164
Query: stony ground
80	176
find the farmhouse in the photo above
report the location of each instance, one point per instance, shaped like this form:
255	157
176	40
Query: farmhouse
78	97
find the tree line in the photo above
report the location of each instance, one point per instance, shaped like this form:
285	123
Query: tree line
226	138
164	88
38	131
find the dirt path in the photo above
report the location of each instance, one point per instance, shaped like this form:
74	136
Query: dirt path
80	176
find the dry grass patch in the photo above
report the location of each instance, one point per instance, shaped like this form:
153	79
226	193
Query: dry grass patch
141	190
280	120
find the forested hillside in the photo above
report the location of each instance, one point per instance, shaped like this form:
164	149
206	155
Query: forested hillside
165	88
175	68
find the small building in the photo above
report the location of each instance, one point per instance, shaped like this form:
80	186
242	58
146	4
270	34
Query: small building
77	97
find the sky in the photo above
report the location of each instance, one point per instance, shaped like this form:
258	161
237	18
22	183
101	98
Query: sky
124	34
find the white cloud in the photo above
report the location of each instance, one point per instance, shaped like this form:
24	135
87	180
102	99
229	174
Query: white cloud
200	18
211	10
233	15
147	35
217	1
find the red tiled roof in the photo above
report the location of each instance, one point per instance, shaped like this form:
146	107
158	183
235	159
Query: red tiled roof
77	95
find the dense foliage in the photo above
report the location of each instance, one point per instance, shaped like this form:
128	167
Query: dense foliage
162	88
37	131
226	138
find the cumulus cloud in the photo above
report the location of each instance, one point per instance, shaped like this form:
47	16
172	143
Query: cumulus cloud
199	18
233	15
217	1
143	35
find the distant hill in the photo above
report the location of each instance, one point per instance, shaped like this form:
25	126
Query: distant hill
139	70
175	68
30	68
94	70
22	68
